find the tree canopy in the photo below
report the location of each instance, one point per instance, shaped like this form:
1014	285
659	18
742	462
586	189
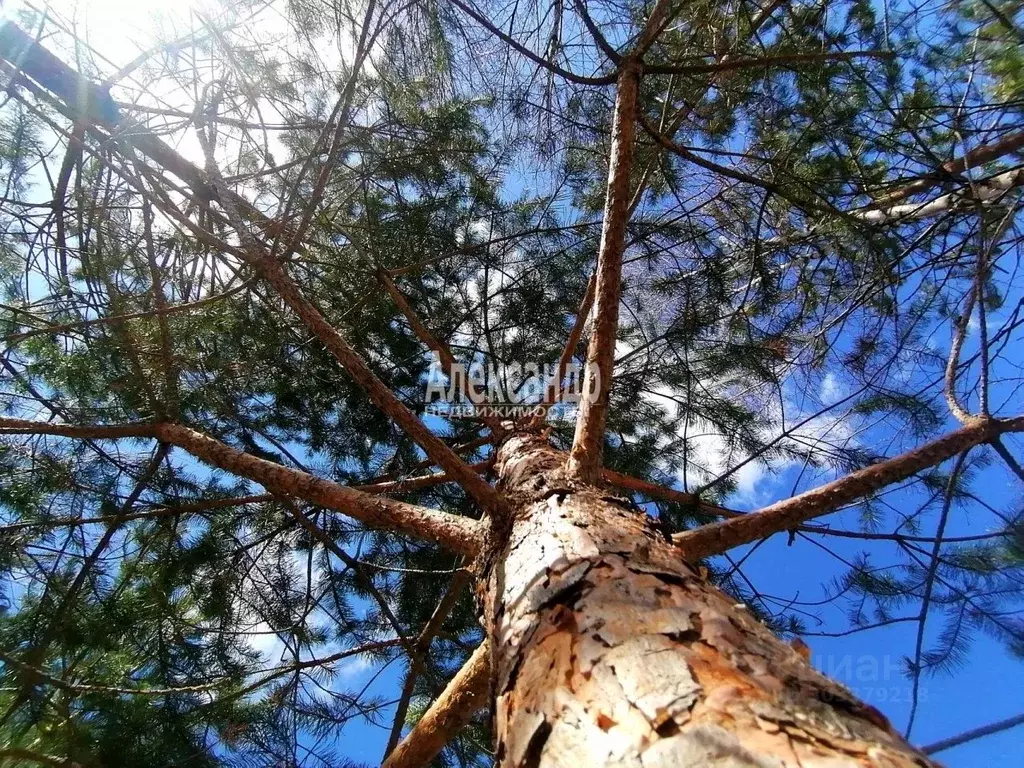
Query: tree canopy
231	252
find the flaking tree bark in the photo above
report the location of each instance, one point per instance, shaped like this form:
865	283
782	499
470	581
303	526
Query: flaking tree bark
610	650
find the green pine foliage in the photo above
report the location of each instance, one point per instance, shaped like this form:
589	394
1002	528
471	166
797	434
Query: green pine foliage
157	612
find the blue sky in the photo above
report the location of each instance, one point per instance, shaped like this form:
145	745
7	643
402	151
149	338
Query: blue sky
989	687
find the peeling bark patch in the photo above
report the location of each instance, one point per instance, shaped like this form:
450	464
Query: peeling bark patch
705	746
655	677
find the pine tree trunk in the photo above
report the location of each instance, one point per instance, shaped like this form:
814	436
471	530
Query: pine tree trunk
608	650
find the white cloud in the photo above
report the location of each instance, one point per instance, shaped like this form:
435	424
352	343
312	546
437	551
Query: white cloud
815	434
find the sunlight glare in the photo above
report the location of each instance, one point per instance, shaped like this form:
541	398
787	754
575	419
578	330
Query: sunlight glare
118	29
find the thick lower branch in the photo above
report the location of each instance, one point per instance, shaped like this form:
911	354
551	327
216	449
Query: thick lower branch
978	156
984	191
460	534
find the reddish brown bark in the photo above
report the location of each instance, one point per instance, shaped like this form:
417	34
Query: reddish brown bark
585	456
460	534
608	650
464	695
278	278
433	525
418	326
980	155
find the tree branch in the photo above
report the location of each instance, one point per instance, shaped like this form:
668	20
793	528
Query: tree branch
766	61
90	432
418	326
653	27
666	143
984	191
464	695
404	485
435	345
1008	458
974	733
595	32
466	447
579	324
515	45
430	630
588	442
362	579
274	273
716	80
27	755
78	99
149	514
167	309
978	156
655	491
953	362
719	537
457	533
929	586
